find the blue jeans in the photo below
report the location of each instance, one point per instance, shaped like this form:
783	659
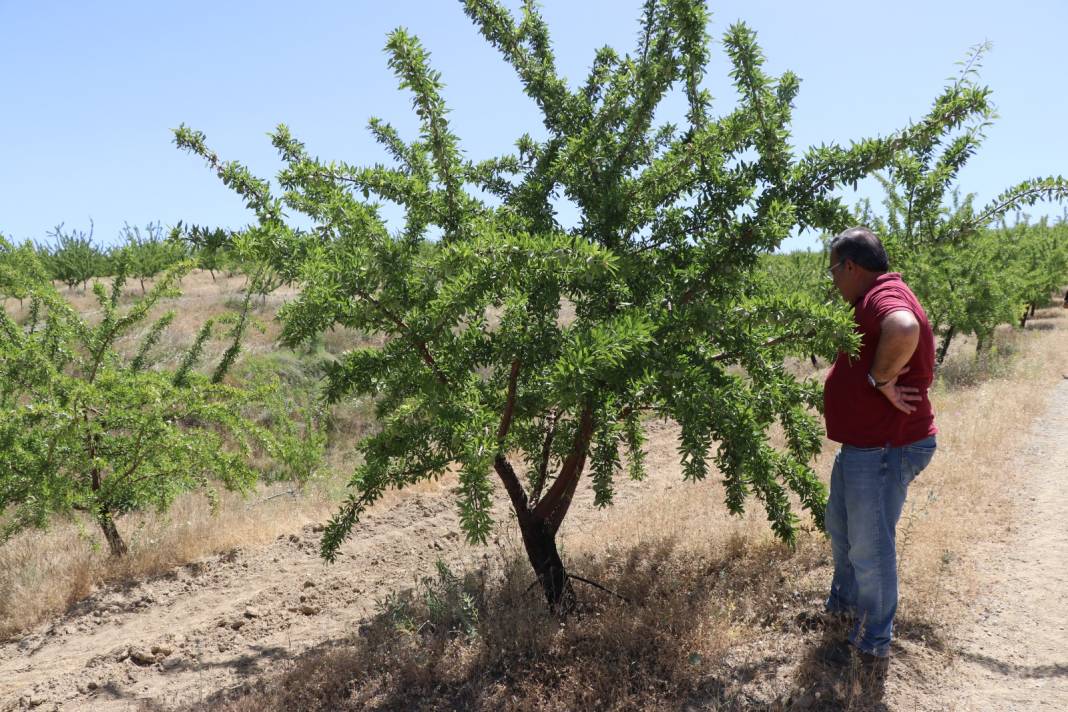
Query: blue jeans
868	489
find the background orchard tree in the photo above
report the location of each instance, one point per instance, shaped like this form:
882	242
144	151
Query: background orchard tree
20	269
147	253
484	370
208	246
84	428
72	258
1043	260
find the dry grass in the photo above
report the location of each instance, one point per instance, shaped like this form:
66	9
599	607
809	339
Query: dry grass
966	496
669	646
42	573
202	298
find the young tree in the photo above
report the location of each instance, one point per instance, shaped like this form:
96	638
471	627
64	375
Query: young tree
1042	261
481	372
73	258
20	270
85	429
209	247
147	253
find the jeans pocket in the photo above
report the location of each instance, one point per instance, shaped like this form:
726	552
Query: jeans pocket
915	458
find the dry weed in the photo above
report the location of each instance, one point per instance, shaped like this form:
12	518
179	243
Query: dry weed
43	573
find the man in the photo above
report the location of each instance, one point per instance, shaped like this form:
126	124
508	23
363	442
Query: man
876	406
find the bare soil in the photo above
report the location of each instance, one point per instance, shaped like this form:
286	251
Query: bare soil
1012	654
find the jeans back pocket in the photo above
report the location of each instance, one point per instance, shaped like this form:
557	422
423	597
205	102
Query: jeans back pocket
915	457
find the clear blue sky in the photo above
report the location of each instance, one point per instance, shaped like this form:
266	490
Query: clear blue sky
91	90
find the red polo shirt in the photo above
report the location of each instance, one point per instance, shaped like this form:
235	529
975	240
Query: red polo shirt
856	413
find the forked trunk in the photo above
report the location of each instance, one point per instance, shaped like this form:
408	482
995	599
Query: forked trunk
539	523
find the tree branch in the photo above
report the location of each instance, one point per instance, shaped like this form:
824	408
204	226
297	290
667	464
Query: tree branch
546	453
512	485
770	342
553	507
509	406
419	344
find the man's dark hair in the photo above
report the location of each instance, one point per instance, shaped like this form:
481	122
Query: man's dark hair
860	245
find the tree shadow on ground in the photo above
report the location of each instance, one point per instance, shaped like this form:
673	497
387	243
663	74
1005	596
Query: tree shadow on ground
1010	669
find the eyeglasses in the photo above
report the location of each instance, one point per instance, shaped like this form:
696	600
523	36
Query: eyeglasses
832	268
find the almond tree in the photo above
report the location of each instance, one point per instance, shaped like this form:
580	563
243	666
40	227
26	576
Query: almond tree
86	429
147	253
1042	260
20	269
519	349
73	258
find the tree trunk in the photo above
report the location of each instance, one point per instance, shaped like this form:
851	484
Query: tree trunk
539	540
111	533
540	520
944	347
1029	311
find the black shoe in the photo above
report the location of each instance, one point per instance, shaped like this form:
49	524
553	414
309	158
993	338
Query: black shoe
822	620
843	653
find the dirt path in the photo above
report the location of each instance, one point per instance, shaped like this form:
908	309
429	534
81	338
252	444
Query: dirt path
1014	656
215	623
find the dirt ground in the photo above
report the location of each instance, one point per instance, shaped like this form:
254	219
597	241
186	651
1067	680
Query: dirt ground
226	621
1013	657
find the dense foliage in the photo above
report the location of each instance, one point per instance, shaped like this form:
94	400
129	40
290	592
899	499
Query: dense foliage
145	254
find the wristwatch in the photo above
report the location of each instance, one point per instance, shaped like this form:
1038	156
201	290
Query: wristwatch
877	384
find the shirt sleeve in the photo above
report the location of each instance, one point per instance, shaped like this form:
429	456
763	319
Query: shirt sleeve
886	301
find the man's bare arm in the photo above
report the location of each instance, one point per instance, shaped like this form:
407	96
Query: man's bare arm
897	342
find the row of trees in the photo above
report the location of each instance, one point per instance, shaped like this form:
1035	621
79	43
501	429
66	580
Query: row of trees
994	276
73	257
970	268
